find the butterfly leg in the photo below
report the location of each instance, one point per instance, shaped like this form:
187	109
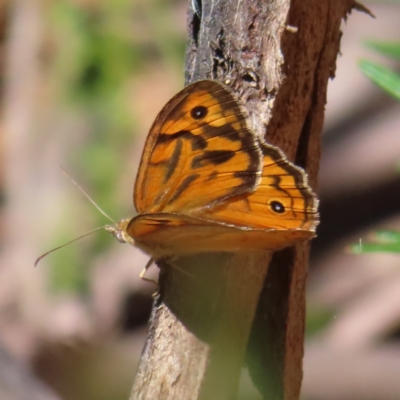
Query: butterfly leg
143	273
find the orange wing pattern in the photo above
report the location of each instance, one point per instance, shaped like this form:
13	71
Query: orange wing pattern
199	152
282	200
165	235
281	212
206	183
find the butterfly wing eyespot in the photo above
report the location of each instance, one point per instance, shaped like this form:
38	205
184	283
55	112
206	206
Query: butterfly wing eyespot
277	207
199	112
199	152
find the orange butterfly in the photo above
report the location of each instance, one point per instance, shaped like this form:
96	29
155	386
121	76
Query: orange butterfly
207	183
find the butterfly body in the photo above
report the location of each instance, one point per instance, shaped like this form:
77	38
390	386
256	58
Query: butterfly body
207	183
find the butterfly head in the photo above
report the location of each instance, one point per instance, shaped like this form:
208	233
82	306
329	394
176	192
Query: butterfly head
119	231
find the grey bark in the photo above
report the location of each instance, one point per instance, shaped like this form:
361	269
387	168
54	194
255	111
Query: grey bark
277	56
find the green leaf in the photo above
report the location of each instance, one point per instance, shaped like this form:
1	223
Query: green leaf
383	242
382	76
388	49
385	236
375	248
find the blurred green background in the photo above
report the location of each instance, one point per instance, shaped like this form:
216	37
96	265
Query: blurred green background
81	83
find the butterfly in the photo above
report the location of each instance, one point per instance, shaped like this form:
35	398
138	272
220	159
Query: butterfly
207	183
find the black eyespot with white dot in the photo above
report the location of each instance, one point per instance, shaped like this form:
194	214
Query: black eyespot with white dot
199	112
277	207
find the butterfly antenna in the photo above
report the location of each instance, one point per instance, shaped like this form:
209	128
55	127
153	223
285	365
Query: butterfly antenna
86	195
66	244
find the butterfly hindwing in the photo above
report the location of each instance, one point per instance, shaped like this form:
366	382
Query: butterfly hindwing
282	201
166	235
199	152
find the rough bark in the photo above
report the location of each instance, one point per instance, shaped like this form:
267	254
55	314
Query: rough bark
215	311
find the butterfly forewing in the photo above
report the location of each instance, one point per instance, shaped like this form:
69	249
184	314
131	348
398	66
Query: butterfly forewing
199	152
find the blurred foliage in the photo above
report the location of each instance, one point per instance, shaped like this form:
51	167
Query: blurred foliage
389	49
317	318
384	77
386	241
98	49
388	80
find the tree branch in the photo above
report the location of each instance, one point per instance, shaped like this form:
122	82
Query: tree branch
277	56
